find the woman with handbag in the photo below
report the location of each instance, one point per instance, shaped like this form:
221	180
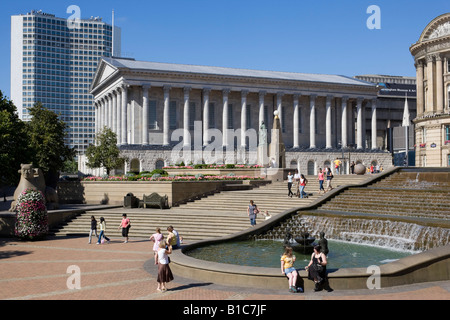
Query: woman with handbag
164	273
317	269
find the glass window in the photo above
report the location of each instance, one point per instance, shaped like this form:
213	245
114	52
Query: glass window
173	115
212	116
230	116
447	133
192	114
249	116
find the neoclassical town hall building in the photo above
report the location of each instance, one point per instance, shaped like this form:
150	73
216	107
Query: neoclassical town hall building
155	107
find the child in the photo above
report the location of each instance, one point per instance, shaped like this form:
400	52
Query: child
267	216
287	268
156	238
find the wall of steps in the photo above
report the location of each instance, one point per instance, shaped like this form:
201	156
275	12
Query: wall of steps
217	215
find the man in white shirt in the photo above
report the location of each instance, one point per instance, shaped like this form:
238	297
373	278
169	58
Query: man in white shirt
290	178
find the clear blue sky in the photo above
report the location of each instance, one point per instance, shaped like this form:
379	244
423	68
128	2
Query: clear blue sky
327	36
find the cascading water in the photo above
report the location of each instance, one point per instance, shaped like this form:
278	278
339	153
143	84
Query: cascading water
383	233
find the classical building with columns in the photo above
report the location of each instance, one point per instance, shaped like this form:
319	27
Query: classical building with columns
432	60
155	108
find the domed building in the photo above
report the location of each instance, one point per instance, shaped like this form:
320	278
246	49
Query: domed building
432	60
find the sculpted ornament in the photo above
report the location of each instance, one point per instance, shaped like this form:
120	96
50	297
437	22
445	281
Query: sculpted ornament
33	178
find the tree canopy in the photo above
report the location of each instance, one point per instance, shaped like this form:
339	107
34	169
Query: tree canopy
13	142
39	141
105	153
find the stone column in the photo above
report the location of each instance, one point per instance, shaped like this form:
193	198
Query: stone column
119	116
186	135
102	114
420	88
296	123
262	95
145	112
166	116
374	124
124	114
312	121
429	107
329	143
280	108
344	127
96	107
206	93
110	110
359	124
225	118
439	84
114	112
243	117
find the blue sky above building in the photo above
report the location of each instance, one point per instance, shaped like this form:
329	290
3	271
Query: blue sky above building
326	37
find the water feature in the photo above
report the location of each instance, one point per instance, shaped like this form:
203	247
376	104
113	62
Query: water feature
396	235
267	253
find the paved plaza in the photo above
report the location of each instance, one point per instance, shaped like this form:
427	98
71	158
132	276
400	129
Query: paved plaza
118	271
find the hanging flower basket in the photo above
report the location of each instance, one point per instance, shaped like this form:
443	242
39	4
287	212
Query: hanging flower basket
31	216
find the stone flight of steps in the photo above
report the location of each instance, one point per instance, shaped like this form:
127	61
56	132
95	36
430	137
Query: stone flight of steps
217	215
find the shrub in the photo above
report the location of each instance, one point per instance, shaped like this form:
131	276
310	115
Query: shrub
32	217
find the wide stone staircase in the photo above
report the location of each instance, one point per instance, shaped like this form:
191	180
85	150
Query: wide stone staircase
215	216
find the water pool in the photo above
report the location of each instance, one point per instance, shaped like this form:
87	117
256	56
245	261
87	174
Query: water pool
267	253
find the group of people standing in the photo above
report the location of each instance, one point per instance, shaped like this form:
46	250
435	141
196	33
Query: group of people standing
162	247
299	182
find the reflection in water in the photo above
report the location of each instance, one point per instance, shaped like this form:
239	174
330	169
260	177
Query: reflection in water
267	253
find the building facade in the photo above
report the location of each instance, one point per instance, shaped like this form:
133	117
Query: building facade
54	62
432	60
156	108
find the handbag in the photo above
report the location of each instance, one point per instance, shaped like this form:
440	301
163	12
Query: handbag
318	267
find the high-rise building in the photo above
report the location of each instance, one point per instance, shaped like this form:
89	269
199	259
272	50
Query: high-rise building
53	61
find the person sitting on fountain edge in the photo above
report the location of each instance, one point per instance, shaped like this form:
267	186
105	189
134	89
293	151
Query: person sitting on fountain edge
287	268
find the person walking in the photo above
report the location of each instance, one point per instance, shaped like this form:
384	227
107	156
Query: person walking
252	211
164	273
102	231
93	229
329	178
297	183
290	178
156	238
320	178
303	183
125	224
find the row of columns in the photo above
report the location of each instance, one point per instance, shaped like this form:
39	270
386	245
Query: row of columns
426	102
111	111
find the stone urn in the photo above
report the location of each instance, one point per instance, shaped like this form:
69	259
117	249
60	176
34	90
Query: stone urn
360	169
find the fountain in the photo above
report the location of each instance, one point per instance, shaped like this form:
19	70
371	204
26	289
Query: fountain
303	244
403	214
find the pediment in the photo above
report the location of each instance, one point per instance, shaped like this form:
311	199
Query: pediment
438	28
103	73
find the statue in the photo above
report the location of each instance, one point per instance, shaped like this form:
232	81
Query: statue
262	134
33	178
323	243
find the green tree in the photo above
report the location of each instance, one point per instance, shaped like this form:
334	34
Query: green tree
105	154
46	134
13	142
